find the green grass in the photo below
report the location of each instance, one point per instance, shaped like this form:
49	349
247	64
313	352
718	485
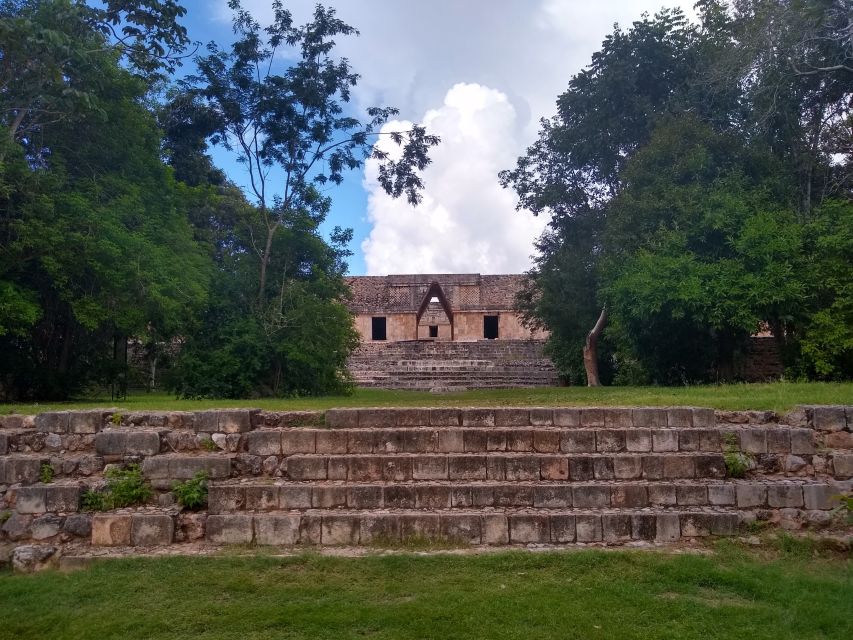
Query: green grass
582	594
780	396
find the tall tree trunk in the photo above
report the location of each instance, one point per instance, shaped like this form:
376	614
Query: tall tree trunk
590	350
265	259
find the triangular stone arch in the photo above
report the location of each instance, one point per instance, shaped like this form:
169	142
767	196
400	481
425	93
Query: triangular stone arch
435	291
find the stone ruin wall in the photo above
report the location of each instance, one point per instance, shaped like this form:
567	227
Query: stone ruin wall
473	475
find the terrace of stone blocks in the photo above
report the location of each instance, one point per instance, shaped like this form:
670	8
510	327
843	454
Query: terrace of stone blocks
496	476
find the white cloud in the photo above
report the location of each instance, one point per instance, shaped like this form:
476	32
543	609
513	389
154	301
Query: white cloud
466	222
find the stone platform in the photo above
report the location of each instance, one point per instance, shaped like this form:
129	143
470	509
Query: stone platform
478	476
427	364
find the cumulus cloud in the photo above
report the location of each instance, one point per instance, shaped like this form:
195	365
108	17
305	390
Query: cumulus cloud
466	222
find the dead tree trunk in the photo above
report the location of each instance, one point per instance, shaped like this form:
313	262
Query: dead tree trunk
590	350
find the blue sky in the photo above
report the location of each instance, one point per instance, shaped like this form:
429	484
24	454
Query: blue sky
479	73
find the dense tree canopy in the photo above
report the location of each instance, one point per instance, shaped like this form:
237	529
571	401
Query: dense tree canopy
698	183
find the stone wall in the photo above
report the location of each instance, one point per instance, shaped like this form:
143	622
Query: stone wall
494	476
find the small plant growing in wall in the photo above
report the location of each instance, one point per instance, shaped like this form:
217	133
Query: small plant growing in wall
192	494
209	445
737	462
116	419
124	488
46	473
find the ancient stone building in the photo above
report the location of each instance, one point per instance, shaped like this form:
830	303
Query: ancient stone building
444	330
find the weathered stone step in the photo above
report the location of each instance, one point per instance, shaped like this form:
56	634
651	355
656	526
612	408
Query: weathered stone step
468	527
502	466
256	496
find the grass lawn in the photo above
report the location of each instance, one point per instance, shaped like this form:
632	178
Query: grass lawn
582	594
780	396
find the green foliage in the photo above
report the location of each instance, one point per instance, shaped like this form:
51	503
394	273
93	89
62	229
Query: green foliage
737	463
192	494
5	515
116	419
46	473
124	488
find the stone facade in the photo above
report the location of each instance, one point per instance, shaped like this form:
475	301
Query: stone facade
442	307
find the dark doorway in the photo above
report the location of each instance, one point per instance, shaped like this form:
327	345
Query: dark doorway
379	329
490	327
433	331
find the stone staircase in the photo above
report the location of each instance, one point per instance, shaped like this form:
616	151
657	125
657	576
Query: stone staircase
499	476
429	364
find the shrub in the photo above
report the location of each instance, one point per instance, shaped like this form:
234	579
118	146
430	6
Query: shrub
192	494
46	473
124	488
737	463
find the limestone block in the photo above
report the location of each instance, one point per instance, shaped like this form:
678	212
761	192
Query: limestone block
451	441
704	418
445	417
615	527
381	528
542	417
364	497
234	421
307	468
778	440
475	441
425	525
376	418
678	467
4	444
111	530
552	496
396	469
554	468
581	468
618	418
206	421
478	418
527	529
629	496
150	530
562	528
751	495
679	417
664	440
330	441
87	421
496	440
592	417
294	497
17	527
262	497
802	441
310	529
662	494
467	468
341	418
649	417
827	418
399	497
224	499
340	530
821	496
842	465
229	529
691	494
30	500
277	529
266	443
588	528
753	440
361	441
546	441
23	470
420	441
522	468
31	558
696	525
495	529
689	440
461	527
644	526
590	496
567	417
510	417
577	441
602	469
62	498
839	440
412	417
638	440
667	527
627	467
609	440
710	440
297	441
78	524
429	468
432	497
52	421
328	497
721	495
710	466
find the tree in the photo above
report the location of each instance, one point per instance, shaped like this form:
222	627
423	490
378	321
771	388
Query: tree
278	325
